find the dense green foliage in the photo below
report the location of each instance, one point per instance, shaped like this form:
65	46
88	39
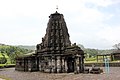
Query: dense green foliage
3	60
90	54
8	53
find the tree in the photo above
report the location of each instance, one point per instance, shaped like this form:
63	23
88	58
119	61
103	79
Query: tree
117	46
91	52
12	52
3	60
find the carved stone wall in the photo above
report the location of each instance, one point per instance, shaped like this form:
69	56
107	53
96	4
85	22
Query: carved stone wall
55	53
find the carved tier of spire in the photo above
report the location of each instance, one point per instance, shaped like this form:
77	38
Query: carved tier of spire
57	36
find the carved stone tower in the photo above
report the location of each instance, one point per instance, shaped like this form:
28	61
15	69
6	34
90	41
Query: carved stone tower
55	53
56	38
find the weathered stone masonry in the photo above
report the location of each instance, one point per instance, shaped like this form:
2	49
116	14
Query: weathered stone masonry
56	54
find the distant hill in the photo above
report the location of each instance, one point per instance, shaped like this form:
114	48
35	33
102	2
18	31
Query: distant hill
89	52
1	44
27	47
9	53
31	47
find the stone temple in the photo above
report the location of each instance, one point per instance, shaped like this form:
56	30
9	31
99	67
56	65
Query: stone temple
55	54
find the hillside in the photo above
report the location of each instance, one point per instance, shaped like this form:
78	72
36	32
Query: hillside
8	53
27	47
93	52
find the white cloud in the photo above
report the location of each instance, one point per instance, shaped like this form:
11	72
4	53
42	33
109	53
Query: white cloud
102	3
110	34
26	7
25	21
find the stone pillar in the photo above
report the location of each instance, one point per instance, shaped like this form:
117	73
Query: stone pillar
29	65
58	64
37	62
50	65
40	67
75	65
53	64
63	64
55	69
66	67
80	65
111	56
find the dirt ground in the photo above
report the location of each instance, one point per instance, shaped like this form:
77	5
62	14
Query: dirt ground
10	73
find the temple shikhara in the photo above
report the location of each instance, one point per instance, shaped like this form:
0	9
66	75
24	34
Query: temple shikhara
55	54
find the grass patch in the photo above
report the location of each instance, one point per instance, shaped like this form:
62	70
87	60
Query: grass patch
94	60
2	65
90	59
90	62
101	62
3	77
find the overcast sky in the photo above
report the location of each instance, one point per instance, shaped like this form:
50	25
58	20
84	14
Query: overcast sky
92	23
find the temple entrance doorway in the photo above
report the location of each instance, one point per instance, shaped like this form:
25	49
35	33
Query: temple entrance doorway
70	64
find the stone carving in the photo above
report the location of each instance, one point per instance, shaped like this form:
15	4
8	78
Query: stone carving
55	53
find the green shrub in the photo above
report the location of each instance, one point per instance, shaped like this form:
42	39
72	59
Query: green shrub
3	60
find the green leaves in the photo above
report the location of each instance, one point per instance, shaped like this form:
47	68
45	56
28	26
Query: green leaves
8	53
3	60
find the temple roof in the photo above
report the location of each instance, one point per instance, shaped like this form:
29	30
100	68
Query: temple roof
26	55
116	51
